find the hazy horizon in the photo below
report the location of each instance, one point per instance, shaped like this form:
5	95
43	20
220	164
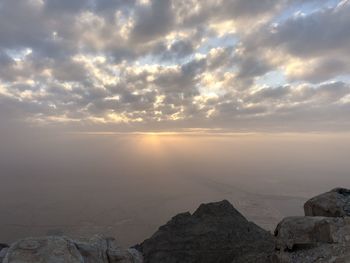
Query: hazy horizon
117	115
127	185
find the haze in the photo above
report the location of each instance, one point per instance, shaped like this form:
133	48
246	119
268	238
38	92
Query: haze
127	185
116	115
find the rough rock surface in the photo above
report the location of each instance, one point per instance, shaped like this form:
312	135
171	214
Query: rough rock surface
321	253
3	251
55	249
322	236
335	203
215	232
94	249
41	250
2	245
307	231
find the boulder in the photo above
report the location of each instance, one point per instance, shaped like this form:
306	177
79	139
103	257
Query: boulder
3	252
118	255
306	231
215	232
124	256
94	249
43	250
2	245
55	249
335	203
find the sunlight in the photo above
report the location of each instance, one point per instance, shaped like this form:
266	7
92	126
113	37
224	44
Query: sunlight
151	144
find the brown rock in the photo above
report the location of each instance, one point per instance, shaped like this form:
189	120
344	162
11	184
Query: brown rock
306	231
335	203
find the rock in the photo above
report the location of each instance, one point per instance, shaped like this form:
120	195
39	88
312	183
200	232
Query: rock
313	239
322	253
322	236
2	245
3	252
215	232
43	250
124	256
335	203
55	249
117	255
307	231
93	250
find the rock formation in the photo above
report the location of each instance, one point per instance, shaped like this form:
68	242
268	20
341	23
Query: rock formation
214	233
304	231
334	203
322	236
3	251
54	249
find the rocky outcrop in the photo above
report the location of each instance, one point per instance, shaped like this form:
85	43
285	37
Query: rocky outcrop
322	236
335	203
55	249
307	231
3	251
41	250
215	232
322	253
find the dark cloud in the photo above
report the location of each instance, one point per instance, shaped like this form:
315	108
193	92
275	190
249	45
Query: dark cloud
327	30
177	50
252	67
153	21
5	60
58	6
318	41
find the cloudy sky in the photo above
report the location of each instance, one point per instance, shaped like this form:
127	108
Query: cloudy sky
113	65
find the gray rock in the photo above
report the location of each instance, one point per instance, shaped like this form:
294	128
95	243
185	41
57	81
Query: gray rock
313	239
335	203
3	252
124	256
215	232
94	249
43	250
322	253
55	249
306	231
117	255
2	245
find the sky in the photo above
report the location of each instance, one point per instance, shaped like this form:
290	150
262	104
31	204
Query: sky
168	65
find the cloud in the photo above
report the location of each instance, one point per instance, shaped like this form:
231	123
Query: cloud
152	21
163	64
307	46
326	30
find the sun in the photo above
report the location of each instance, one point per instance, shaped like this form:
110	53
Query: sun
150	143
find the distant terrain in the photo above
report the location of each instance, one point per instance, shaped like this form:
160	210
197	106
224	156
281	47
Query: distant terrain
127	186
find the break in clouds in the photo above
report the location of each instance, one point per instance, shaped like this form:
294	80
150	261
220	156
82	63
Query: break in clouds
161	64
